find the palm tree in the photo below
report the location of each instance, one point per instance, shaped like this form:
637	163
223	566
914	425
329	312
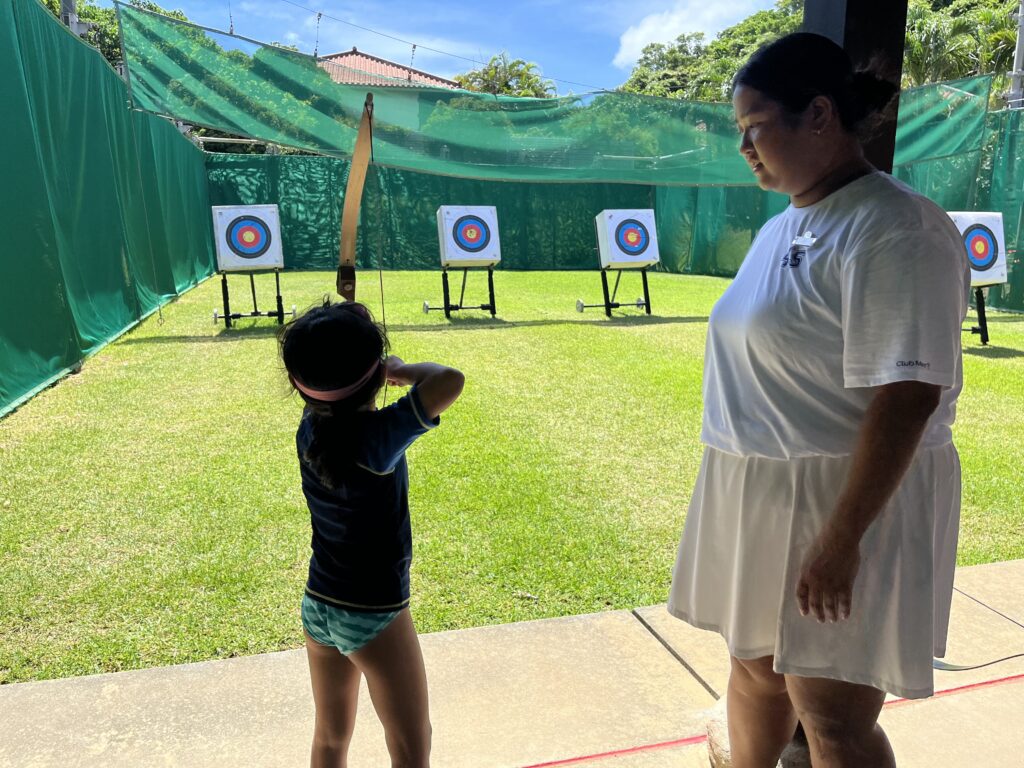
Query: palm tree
509	78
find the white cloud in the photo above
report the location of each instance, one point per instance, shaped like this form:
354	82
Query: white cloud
684	16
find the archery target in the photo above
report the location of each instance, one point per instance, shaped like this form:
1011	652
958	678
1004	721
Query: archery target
627	238
248	238
468	235
982	234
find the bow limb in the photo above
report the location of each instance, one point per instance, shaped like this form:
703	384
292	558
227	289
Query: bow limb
353	199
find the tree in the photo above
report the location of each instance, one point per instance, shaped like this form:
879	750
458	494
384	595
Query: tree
693	69
104	34
502	76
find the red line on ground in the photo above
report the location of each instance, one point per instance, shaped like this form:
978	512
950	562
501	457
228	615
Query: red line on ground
692	740
688	741
960	689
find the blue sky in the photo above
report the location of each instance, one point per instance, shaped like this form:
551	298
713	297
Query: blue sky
583	45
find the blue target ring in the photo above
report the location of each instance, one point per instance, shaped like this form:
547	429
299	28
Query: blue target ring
632	237
248	237
471	233
982	249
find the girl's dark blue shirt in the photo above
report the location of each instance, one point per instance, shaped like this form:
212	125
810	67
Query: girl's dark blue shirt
362	541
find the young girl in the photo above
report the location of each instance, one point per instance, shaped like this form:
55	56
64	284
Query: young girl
355	611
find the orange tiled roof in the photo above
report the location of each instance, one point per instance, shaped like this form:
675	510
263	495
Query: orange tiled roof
357	68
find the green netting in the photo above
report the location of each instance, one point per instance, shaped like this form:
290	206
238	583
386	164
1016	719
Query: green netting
225	82
1003	190
105	210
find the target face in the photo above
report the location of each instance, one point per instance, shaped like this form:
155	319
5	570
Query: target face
627	238
982	248
471	233
468	236
632	237
982	233
248	238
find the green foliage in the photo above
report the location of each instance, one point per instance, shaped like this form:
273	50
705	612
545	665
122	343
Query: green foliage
104	34
693	69
507	77
946	40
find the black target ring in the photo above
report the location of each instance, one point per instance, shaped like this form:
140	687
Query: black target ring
248	236
471	233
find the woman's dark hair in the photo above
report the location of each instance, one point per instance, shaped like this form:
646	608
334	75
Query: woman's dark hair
331	346
796	68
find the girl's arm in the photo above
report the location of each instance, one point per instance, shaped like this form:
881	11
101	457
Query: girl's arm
886	443
437	385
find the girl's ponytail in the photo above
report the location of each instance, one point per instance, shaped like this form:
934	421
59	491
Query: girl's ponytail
333	347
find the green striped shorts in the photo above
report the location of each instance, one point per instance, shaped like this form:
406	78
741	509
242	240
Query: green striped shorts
348	631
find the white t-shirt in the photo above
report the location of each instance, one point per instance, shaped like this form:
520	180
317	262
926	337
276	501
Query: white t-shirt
866	287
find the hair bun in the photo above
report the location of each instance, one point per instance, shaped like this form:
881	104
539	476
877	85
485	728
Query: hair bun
872	92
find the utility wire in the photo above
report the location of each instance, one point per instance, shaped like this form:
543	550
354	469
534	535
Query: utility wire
424	47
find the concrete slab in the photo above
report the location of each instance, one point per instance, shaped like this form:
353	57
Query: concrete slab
505	696
977	635
980	728
695	756
704	652
1000	586
541	691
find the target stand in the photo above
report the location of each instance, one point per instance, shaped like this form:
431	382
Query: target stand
228	315
626	239
248	239
468	239
982	234
449	307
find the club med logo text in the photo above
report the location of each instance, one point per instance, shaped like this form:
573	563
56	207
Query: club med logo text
912	364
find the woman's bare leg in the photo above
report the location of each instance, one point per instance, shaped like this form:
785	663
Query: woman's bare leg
841	722
335	692
762	720
393	665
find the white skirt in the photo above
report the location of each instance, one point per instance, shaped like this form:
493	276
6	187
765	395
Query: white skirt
750	523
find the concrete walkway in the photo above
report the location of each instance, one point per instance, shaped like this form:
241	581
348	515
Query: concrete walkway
625	689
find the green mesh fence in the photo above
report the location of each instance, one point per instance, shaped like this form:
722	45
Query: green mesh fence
1002	189
437	147
105	211
213	79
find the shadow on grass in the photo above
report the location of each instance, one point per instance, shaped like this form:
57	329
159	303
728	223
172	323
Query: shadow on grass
994	353
224	334
454	324
487	323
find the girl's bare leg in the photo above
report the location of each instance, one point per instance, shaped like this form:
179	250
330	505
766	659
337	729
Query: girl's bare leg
335	692
393	665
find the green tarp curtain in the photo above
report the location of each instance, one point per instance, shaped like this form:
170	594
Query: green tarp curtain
105	211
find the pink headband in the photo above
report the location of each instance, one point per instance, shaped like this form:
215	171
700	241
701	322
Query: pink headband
334	395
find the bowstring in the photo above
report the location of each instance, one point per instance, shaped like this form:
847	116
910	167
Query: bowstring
380	271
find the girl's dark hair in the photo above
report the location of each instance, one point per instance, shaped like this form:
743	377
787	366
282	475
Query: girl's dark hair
796	68
331	346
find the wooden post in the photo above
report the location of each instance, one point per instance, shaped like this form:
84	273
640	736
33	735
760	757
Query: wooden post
874	33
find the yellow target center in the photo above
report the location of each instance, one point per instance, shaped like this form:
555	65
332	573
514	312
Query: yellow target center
979	247
249	237
471	233
632	237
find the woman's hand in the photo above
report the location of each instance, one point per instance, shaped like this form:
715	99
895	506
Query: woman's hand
825	588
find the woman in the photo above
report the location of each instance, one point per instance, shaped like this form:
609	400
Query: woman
821	536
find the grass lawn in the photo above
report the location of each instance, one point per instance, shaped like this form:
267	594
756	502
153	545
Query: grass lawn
150	510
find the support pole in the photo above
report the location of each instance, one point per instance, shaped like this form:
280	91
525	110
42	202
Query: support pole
1016	97
979	300
607	298
873	32
224	294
